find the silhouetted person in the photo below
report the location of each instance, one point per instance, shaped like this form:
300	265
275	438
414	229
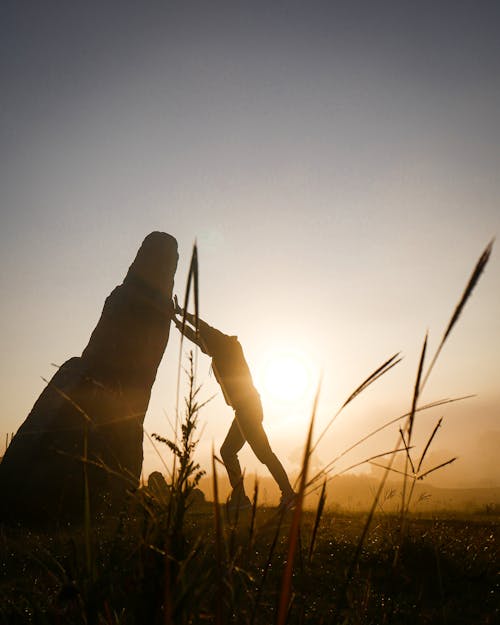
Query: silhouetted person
232	372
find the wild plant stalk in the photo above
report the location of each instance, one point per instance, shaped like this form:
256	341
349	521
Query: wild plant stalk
417	471
317	519
359	546
330	465
179	580
422	379
192	278
419	384
293	538
419	476
411	419
473	280
184	478
375	375
354	466
218	545
187	476
251	530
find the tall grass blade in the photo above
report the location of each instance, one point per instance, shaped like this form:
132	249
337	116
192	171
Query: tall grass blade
408	456
218	545
192	277
439	466
416	390
265	572
379	372
319	512
431	438
429	406
389	468
384	368
232	520
367	460
364	533
255	497
192	265
354	466
473	280
411	419
196	289
192	274
286	588
476	274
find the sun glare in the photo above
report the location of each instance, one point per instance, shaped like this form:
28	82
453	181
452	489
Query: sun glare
286	376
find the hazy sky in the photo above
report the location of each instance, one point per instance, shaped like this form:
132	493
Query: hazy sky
338	163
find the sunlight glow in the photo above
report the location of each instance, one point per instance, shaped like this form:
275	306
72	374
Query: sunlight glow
286	376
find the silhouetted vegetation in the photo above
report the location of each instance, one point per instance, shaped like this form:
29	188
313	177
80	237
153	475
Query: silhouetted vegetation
171	559
446	572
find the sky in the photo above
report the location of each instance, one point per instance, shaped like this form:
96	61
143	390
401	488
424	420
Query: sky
336	162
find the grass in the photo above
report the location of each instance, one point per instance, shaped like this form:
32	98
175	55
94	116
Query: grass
447	565
165	560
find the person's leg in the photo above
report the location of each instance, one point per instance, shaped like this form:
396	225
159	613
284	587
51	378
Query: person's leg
232	444
258	441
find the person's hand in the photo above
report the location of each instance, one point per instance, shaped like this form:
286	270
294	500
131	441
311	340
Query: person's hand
187	331
178	324
177	309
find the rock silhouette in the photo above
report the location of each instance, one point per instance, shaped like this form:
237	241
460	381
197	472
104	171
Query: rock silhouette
158	487
86	426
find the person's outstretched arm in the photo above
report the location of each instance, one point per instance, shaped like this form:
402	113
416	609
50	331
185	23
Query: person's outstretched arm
203	327
190	333
209	339
189	317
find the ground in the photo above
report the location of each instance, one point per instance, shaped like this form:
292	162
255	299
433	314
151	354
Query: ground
446	570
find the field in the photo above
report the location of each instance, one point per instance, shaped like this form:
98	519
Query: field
230	570
171	558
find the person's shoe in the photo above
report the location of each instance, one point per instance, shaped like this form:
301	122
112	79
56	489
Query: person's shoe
238	503
288	501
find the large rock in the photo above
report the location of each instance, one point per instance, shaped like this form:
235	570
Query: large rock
88	420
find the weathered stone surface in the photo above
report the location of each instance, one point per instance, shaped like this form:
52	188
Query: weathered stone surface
94	406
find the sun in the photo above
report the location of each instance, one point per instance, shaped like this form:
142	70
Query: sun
286	376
